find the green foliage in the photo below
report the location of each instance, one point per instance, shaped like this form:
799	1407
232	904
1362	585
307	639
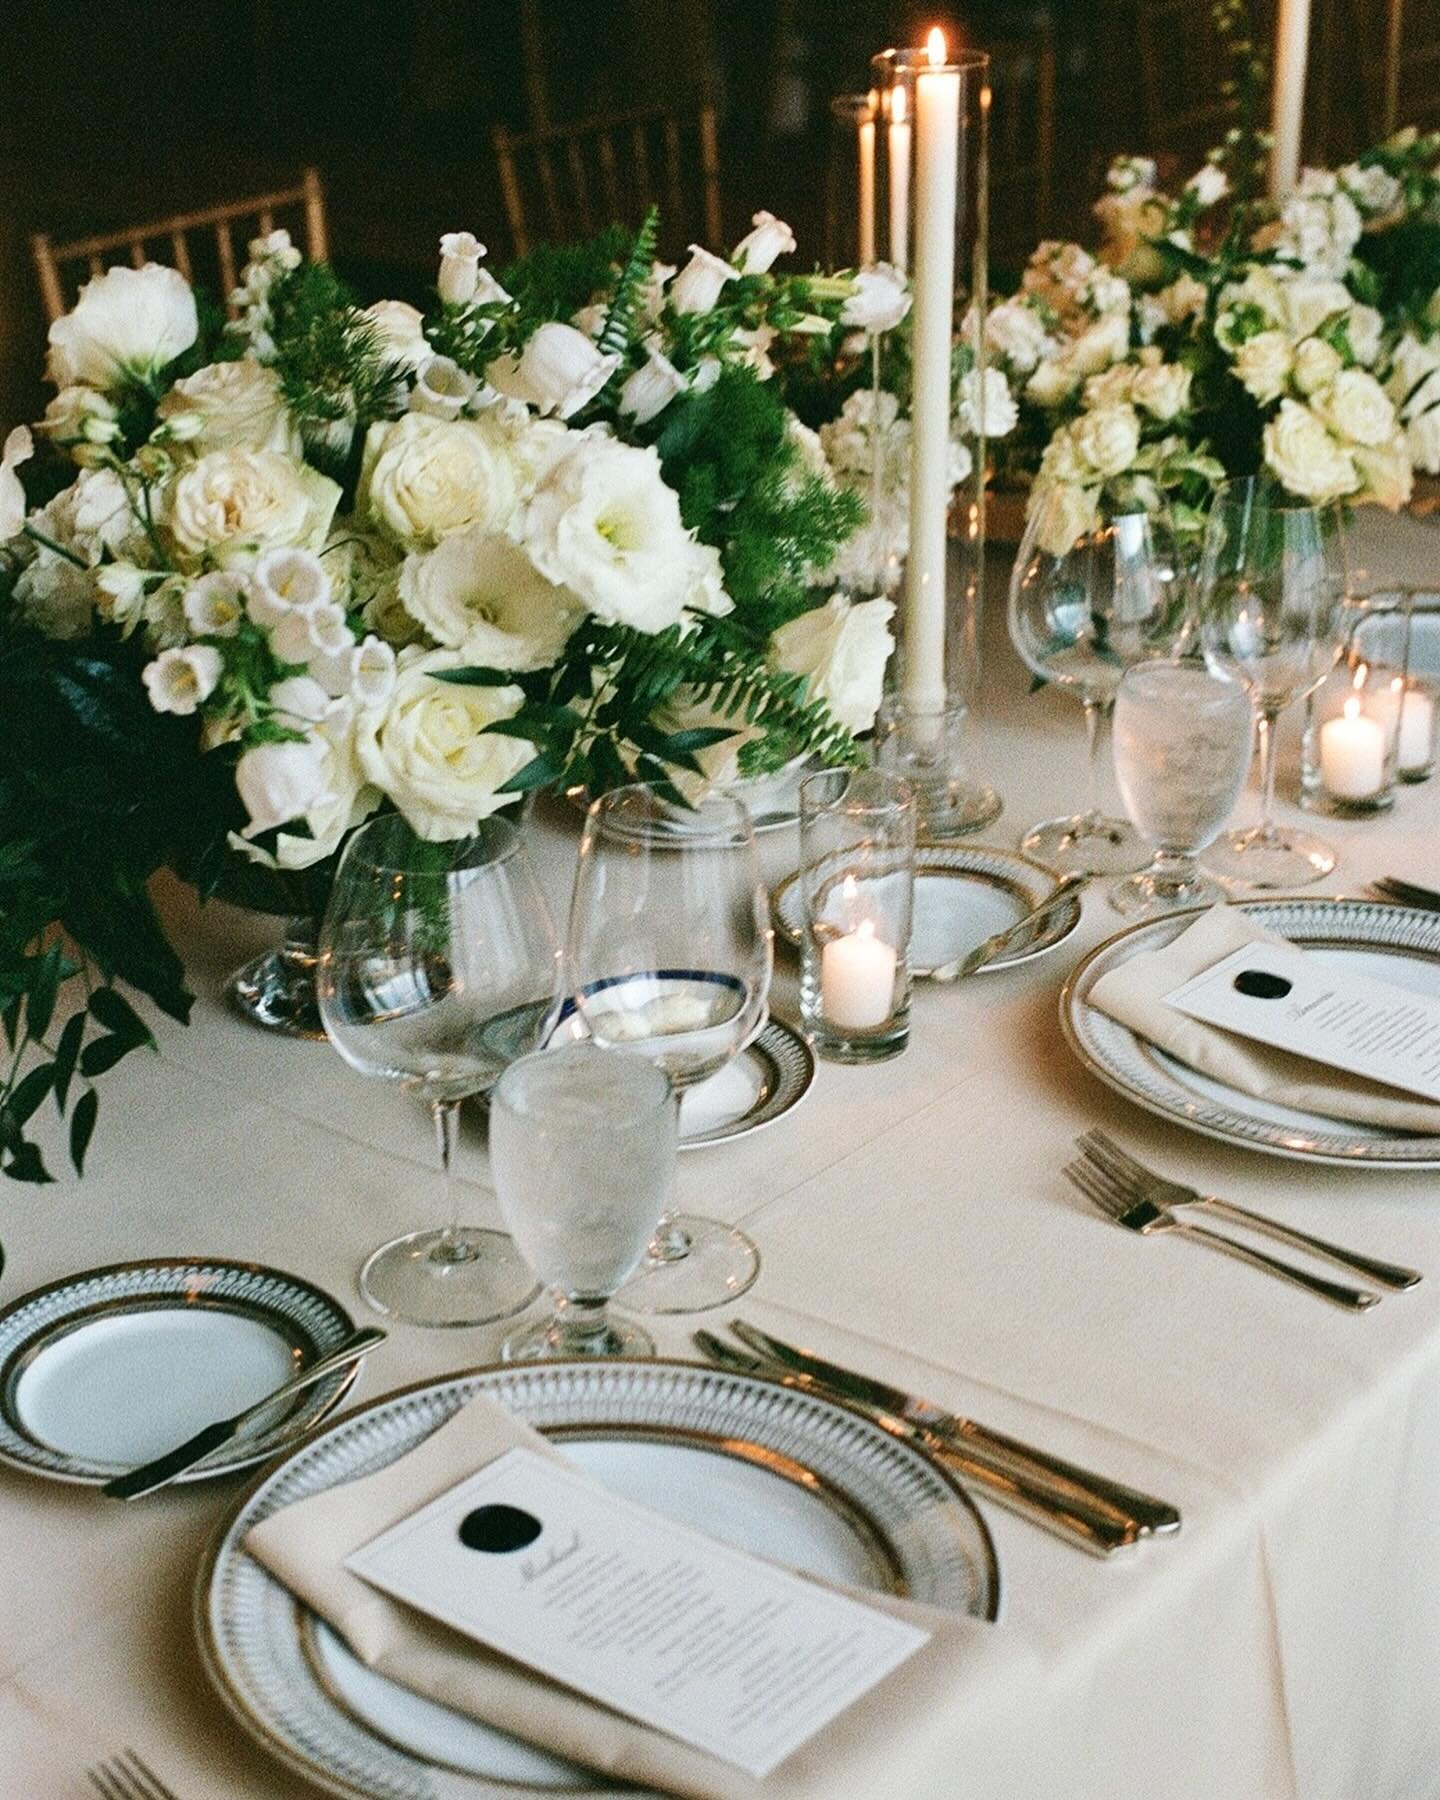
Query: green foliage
555	280
629	295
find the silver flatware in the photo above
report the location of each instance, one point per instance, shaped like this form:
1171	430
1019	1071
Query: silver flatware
1127	1206
1005	940
1087	1509
160	1471
128	1777
1408	893
1108	1154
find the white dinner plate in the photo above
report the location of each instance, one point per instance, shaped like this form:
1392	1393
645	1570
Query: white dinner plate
1391	943
779	1472
772	1074
107	1369
964	893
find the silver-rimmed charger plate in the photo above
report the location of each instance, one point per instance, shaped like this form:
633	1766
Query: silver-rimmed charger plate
964	893
106	1369
783	1473
1391	943
773	801
772	1074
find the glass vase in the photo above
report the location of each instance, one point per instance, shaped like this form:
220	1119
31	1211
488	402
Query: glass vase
276	990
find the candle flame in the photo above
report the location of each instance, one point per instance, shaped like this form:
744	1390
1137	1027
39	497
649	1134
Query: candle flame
898	104
865	929
848	889
1351	708
1362	675
935	47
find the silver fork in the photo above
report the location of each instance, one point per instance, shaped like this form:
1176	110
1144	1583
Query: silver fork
1107	1153
127	1777
1127	1207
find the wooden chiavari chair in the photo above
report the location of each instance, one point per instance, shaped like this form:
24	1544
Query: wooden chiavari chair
571	181
61	267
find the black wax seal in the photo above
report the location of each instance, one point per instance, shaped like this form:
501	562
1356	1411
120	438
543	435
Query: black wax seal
497	1530
1260	984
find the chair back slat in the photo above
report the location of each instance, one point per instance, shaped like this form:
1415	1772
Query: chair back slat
225	255
137	253
579	185
180	250
710	171
672	168
554	213
609	175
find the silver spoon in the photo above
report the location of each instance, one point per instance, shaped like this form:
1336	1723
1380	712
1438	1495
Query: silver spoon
1002	940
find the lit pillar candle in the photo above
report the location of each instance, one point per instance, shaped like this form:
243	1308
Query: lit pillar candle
898	144
1352	754
866	137
857	980
1292	54
937	129
1415	739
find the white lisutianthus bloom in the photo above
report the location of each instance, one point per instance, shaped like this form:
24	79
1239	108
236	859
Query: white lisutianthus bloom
768	239
559	371
127	322
422	478
1300	451
19	448
215	604
402	331
179	680
230	406
232	504
841	649
880	301
461	253
697	287
479	592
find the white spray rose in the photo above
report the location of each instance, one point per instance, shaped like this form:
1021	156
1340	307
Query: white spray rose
1113	387
429	751
1109	438
1310	301
1163	390
1053	382
1105	342
841	649
460	254
19	448
215	604
1387	472
422	478
696	289
479	592
179	680
880	299
648	390
402	331
559	371
1306	459
758	249
126	321
442	388
1263	365
231	406
1358	408
986	408
234	502
1061	513
1365	330
1316	365
279	783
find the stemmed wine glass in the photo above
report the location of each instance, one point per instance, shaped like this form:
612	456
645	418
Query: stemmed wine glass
670	954
1272	613
439	967
1116	596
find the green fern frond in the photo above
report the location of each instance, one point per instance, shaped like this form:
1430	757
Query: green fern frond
619	332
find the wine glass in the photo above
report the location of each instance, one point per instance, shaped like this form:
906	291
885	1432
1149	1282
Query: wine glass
439	967
670	953
1272	614
1116	596
1182	750
582	1143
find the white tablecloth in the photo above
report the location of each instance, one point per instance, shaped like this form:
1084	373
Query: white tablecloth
1287	1643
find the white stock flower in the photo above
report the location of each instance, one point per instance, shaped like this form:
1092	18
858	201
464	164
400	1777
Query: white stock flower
234	502
401	329
19	448
215	604
1388	474
697	287
1358	408
648	390
422	478
230	406
986	408
1162	390
179	680
605	525
1017	332
280	783
429	751
1263	364
559	371
460	254
126	322
1061	513
841	649
758	249
880	299
1306	459
442	388
478	592
1319	226
1108	438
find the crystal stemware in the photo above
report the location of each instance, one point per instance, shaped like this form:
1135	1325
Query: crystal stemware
583	1147
670	955
1272	615
438	968
1116	596
1182	748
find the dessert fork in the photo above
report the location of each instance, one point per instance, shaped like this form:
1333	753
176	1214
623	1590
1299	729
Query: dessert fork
127	1777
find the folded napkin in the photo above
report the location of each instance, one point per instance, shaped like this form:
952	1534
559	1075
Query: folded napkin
1134	993
305	1546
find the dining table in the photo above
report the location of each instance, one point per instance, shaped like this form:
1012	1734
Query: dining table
913	1222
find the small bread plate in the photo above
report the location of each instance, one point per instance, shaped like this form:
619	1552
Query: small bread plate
104	1370
964	893
782	1473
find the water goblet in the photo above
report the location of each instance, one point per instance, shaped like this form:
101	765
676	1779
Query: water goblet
669	954
439	967
582	1142
1182	748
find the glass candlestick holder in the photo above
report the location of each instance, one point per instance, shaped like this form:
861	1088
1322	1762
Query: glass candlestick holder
1352	719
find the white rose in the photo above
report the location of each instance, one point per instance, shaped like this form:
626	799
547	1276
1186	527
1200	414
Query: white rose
1304	456
401	329
460	254
1309	302
19	448
231	406
478	592
1358	408
429	751
126	322
1017	332
986	408
879	301
842	649
233	502
1365	330
1113	387
1163	391
719	762
1316	365
345	798
1388	474
758	249
697	287
1109	438
1052	383
280	782
648	390
604	525
557	372
442	388
1061	512
215	605
1263	365
422	478
178	680
1184	299
1105	342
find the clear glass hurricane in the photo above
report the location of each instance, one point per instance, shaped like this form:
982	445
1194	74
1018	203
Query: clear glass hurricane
670	955
439	967
1272	615
1118	595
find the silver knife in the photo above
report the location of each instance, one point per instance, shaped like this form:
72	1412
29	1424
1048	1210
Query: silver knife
162	1470
1003	940
966	1437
